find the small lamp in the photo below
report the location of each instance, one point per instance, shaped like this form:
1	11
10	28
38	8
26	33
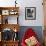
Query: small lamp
15	3
15	30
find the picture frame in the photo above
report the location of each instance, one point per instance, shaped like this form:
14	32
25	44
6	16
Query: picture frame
5	12
30	13
13	12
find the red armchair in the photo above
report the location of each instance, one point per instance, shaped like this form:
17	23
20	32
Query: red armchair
28	34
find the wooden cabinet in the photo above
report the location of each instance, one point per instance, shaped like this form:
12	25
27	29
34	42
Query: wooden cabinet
44	7
8	25
10	43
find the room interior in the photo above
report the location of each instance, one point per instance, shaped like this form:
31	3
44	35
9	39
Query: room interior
17	16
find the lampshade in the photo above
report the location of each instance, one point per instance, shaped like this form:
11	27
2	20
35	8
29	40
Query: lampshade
15	30
15	3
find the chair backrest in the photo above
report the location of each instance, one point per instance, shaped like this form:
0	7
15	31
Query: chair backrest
28	34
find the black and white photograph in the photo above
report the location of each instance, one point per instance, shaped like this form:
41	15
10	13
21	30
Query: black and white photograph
30	13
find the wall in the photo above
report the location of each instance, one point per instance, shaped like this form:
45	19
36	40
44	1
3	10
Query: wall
39	12
27	3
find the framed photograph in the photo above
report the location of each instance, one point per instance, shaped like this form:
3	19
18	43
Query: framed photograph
5	12
30	13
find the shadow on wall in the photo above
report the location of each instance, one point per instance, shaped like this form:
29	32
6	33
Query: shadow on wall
37	29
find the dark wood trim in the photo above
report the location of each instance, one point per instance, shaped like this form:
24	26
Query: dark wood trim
11	26
5	8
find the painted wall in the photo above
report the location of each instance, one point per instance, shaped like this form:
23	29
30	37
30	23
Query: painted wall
39	12
26	3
